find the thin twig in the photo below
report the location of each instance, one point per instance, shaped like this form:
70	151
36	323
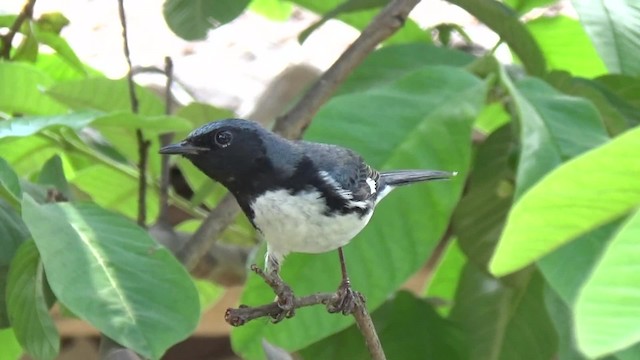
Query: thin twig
368	330
143	145
165	139
7	39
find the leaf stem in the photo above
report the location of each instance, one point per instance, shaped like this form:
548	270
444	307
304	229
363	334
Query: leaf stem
7	39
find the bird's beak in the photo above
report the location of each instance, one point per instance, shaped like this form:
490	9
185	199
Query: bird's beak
183	148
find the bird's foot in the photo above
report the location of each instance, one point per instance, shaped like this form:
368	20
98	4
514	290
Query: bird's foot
283	293
347	299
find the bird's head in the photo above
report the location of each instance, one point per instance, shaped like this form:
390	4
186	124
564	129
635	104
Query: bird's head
225	150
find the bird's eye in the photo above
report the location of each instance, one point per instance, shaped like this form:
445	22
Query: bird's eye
223	138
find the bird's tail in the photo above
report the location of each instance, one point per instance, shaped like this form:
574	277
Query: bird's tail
404	177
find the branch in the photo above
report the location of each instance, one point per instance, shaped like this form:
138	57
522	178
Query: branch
165	139
7	39
387	22
244	314
143	145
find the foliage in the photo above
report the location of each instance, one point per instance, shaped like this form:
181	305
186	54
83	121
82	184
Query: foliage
541	223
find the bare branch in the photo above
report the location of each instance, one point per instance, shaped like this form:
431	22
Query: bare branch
368	330
143	145
165	139
7	39
244	314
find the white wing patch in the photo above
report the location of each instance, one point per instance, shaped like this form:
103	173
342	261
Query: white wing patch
372	184
344	193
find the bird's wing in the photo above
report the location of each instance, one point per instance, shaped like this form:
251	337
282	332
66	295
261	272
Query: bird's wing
345	170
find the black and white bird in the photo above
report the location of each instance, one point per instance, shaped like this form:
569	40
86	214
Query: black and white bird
301	196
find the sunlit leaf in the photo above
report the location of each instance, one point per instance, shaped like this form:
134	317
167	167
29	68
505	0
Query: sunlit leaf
109	272
568	203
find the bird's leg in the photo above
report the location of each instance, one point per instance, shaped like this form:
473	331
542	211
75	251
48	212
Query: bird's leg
271	276
347	298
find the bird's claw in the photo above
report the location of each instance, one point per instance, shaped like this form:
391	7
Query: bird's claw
346	301
285	297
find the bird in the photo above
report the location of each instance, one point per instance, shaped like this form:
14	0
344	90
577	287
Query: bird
301	196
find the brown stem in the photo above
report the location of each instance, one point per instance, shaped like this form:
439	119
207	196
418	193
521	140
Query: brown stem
7	39
143	145
368	330
165	139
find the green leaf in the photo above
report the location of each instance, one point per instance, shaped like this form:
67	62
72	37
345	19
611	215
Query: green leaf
615	119
609	298
28	48
506	24
626	88
10	189
106	95
115	190
208	293
522	6
109	272
553	128
390	63
406	325
11	349
565	45
426	124
29	125
614	28
52	174
492	117
504	319
13	232
192	20
60	45
60	70
442	287
479	217
129	122
27	305
562	318
20	90
277	10
568	203
27	154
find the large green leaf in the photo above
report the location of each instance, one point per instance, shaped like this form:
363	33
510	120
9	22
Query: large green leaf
408	328
569	202
20	90
614	28
607	306
390	63
504	21
109	272
615	119
411	123
27	154
27	305
553	128
60	45
504	319
481	213
106	95
192	20
11	349
565	45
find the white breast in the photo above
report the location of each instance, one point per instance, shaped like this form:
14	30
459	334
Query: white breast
298	223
